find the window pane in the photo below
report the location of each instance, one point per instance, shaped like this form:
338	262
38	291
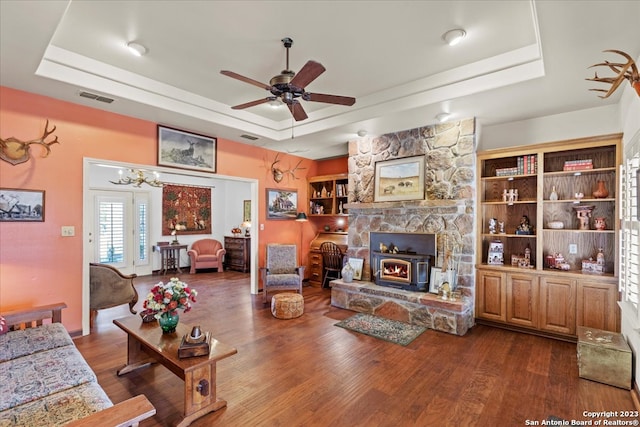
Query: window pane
111	234
142	232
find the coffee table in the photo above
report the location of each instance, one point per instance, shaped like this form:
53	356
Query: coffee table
147	344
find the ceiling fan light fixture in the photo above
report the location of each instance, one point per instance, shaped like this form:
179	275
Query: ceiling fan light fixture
362	133
455	36
136	49
275	103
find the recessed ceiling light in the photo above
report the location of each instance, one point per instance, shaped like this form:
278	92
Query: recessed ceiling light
136	48
362	133
443	117
453	37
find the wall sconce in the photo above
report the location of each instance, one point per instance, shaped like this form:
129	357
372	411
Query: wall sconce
137	178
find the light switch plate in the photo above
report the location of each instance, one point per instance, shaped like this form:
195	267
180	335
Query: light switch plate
573	249
68	231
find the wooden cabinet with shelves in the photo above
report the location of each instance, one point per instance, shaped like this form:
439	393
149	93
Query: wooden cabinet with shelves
328	195
555	193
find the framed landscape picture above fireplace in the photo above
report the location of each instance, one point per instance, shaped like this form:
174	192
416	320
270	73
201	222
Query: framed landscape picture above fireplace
399	179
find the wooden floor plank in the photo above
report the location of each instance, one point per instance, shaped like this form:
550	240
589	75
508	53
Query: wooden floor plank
308	372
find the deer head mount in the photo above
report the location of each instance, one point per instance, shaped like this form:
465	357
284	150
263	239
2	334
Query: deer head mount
14	151
627	71
279	174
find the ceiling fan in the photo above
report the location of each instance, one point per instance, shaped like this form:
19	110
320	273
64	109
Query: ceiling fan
289	87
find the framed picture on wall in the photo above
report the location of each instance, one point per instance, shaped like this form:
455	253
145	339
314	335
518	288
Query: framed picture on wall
21	205
186	150
282	204
399	179
246	211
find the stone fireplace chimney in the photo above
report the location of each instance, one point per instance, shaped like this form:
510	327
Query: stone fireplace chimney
448	206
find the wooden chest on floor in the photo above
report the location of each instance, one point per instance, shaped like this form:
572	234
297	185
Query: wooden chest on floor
604	356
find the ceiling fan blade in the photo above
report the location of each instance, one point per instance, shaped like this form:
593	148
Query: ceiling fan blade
307	74
245	79
251	104
297	111
330	99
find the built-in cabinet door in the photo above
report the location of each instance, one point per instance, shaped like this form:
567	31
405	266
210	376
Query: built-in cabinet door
597	306
558	305
491	296
522	300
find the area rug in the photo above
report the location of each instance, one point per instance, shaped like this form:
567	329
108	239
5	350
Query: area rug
384	329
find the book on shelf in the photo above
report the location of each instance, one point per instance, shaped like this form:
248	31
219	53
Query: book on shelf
525	165
576	165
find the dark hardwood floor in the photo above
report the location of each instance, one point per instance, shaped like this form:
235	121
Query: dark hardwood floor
307	372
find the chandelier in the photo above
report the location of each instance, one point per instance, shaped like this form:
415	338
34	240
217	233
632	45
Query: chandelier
137	178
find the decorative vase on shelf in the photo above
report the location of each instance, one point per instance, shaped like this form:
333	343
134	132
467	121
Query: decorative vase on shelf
600	223
601	191
169	321
554	194
347	273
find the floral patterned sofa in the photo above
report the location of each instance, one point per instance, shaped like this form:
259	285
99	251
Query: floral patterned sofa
45	381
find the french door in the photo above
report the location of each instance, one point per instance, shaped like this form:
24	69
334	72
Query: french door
120	233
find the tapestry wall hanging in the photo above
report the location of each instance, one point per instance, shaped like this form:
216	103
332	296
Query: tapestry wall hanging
186	209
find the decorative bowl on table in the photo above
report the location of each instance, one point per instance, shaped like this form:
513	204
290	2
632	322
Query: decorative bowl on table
557	225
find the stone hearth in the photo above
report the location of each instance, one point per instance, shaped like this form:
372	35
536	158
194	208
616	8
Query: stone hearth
417	308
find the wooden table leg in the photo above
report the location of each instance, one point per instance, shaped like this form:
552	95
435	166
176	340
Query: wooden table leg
200	394
136	357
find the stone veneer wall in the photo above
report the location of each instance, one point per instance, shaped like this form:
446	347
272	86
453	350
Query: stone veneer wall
448	207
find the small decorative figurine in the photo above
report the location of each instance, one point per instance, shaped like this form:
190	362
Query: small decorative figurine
492	225
501	226
525	226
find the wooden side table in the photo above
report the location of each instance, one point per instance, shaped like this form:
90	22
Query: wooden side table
169	257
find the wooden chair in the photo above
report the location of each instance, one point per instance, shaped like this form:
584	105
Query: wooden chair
332	260
110	288
281	272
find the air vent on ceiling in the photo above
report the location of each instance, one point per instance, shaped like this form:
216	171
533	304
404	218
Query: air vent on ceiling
96	97
251	137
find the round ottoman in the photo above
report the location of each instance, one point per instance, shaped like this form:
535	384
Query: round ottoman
287	305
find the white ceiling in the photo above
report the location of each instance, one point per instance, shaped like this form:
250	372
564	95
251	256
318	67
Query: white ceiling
521	59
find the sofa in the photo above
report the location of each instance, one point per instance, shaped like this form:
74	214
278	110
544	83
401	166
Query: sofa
45	381
206	253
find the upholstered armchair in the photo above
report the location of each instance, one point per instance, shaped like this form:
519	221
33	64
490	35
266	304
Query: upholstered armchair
108	287
281	272
206	253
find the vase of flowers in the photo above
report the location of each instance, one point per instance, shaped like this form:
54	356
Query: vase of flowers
165	299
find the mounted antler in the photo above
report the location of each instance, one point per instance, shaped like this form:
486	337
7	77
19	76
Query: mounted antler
278	174
628	71
14	151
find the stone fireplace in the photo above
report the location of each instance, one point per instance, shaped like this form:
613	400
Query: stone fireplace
447	213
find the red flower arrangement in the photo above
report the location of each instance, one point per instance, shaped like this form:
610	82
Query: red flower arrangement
167	298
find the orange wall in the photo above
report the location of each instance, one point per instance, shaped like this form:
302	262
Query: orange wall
37	265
